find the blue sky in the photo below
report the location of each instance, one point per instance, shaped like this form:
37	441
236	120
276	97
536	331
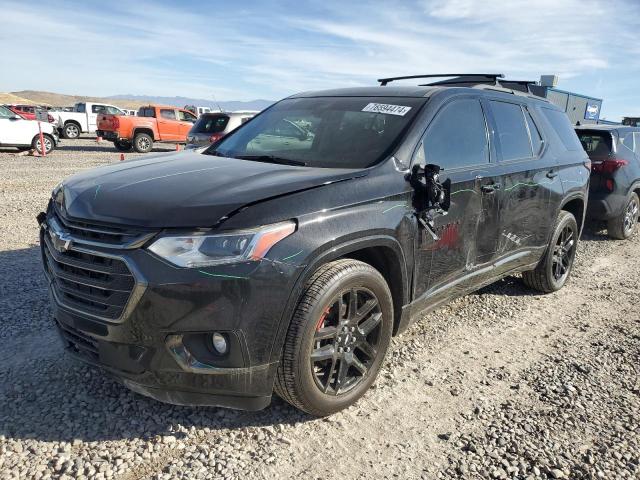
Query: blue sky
247	49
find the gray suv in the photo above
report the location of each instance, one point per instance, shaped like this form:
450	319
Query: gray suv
211	127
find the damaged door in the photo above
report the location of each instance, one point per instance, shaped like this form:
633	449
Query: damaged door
457	140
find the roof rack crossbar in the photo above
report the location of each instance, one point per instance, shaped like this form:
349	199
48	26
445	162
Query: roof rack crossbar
494	76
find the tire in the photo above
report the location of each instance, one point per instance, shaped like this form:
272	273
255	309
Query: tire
553	271
48	143
71	130
624	226
346	343
122	146
142	143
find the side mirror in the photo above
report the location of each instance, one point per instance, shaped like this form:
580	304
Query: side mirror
432	194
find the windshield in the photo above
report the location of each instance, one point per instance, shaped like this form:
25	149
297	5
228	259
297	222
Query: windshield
6	113
326	132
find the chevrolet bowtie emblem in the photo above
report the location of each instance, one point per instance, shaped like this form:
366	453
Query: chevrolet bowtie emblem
61	241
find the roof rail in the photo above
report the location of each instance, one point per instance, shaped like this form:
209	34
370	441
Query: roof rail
460	77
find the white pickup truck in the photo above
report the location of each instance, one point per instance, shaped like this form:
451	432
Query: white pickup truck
83	118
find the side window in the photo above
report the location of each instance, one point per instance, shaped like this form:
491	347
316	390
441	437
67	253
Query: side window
168	114
534	132
81	107
561	125
511	129
114	111
186	116
637	138
98	108
627	141
457	137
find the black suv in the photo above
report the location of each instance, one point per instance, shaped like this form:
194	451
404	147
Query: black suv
210	279
615	176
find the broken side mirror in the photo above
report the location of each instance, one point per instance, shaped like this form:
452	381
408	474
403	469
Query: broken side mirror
431	193
432	197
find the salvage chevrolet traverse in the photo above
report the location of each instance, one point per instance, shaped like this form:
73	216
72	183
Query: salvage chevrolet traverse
287	254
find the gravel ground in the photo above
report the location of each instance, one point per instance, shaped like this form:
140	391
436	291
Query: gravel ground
504	383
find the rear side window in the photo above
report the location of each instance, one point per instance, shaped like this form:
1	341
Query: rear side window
536	138
457	137
211	124
168	114
512	130
560	123
627	141
147	112
596	144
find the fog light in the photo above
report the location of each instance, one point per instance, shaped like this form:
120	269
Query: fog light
219	343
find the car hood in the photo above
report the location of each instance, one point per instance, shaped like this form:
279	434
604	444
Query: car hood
186	189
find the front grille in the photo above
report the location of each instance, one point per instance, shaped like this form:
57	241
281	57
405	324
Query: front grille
88	282
91	233
79	342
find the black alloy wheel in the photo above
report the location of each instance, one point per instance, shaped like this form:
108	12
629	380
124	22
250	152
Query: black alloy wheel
337	338
563	254
554	268
346	341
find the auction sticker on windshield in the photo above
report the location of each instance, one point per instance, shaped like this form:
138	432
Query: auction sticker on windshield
399	110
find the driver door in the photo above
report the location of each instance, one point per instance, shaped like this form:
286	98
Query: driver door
462	238
13	129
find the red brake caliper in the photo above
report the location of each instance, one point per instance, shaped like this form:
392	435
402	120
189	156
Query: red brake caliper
323	318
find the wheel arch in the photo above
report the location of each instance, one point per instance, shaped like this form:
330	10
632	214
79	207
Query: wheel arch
384	253
576	205
147	130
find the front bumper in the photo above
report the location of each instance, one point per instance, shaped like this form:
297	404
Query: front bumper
245	302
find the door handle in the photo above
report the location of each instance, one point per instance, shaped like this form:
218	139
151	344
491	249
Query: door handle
490	187
552	174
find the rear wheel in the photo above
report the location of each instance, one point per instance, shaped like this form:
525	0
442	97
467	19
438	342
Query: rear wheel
48	143
337	339
122	146
624	226
555	267
71	130
142	143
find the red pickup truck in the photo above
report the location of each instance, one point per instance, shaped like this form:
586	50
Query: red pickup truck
154	123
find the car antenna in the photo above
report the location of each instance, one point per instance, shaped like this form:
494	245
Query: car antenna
216	102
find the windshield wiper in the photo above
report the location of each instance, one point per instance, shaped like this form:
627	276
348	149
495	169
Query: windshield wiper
271	159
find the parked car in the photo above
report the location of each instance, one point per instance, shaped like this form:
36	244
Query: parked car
197	111
28	112
15	131
154	123
210	279
211	127
83	119
615	176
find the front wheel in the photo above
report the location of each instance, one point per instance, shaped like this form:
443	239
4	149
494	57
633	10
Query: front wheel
624	225
122	146
48	143
555	267
142	143
337	339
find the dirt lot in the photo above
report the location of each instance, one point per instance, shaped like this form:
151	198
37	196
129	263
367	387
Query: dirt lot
504	383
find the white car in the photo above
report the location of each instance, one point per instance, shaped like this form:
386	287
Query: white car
83	118
15	131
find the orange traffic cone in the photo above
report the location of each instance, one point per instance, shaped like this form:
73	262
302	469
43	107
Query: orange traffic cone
98	139
177	147
122	157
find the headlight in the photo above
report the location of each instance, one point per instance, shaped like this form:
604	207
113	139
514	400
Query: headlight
204	250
